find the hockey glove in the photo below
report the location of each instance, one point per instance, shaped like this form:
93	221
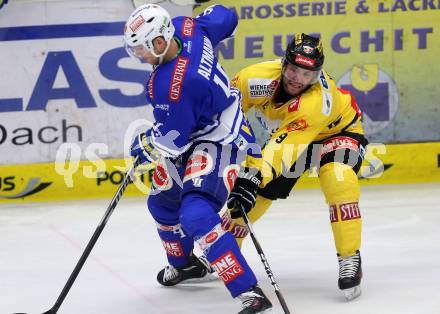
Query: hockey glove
244	193
143	148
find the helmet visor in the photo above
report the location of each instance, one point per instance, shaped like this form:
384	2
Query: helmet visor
138	51
295	74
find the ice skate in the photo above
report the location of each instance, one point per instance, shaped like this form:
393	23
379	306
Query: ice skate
196	271
254	301
350	275
211	275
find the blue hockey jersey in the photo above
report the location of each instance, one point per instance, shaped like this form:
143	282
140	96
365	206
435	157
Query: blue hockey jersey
191	95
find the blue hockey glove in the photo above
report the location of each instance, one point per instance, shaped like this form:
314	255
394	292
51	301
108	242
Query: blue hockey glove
143	148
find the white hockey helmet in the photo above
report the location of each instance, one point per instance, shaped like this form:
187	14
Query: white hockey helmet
146	23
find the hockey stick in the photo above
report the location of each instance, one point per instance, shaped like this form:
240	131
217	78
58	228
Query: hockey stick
265	262
94	238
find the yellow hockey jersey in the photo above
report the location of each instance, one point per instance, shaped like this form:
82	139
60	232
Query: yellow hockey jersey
321	111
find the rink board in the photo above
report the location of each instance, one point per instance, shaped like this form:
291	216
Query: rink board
384	164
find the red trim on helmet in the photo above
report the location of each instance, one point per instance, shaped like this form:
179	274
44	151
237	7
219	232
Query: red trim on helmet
299	59
137	23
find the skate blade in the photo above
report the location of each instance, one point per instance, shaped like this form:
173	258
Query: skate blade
207	278
351	293
270	310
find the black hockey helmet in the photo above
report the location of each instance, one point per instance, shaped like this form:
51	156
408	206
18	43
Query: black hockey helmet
305	52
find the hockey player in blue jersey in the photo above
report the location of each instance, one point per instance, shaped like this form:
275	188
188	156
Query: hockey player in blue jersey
196	142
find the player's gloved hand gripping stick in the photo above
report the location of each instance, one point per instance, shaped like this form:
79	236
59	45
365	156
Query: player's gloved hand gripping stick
244	194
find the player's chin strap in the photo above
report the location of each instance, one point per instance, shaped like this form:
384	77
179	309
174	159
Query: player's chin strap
161	55
264	261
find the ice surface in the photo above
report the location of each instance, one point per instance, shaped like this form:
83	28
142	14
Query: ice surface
40	244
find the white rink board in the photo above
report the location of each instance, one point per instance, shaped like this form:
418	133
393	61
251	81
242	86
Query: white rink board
64	80
41	244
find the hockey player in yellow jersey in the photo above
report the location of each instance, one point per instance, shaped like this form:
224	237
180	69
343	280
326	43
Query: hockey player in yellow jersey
311	122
